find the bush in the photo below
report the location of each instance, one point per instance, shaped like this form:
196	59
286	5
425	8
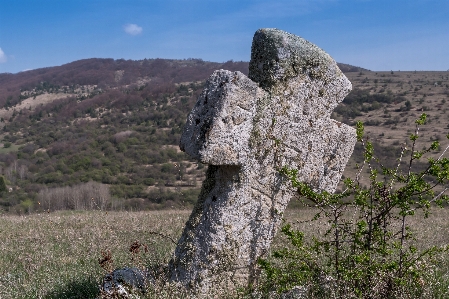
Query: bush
2	184
367	250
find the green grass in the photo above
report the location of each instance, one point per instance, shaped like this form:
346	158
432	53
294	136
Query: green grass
12	148
56	255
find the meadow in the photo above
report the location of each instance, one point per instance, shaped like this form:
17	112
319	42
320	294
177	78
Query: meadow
56	255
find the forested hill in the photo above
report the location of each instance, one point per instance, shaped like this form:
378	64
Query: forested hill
114	123
108	73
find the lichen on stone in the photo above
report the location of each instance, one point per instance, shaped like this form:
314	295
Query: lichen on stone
247	129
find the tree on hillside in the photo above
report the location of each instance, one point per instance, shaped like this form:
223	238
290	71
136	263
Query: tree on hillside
2	184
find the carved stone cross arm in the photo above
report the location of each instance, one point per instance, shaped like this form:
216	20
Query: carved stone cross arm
246	129
218	128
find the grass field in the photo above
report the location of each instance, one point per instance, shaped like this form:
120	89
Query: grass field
56	255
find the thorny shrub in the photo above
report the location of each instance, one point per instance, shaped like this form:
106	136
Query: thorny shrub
367	250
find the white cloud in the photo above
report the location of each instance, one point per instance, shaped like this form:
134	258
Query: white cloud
133	29
2	56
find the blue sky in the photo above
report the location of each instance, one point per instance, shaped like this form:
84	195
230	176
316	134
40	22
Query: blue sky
374	34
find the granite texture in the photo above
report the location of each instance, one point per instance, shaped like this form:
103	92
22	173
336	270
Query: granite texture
247	129
124	283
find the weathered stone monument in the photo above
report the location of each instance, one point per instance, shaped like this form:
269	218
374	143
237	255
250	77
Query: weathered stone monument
247	129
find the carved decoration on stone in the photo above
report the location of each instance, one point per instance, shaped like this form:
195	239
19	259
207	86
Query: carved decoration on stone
247	129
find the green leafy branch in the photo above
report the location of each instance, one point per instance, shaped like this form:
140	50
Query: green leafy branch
367	249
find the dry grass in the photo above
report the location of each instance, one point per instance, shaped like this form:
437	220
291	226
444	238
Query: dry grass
32	103
56	255
433	230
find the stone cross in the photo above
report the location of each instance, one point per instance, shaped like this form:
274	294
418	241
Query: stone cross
247	129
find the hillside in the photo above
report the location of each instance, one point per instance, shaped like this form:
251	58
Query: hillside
114	122
388	103
118	123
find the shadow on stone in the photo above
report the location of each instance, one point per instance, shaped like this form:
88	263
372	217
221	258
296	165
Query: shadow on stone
86	288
